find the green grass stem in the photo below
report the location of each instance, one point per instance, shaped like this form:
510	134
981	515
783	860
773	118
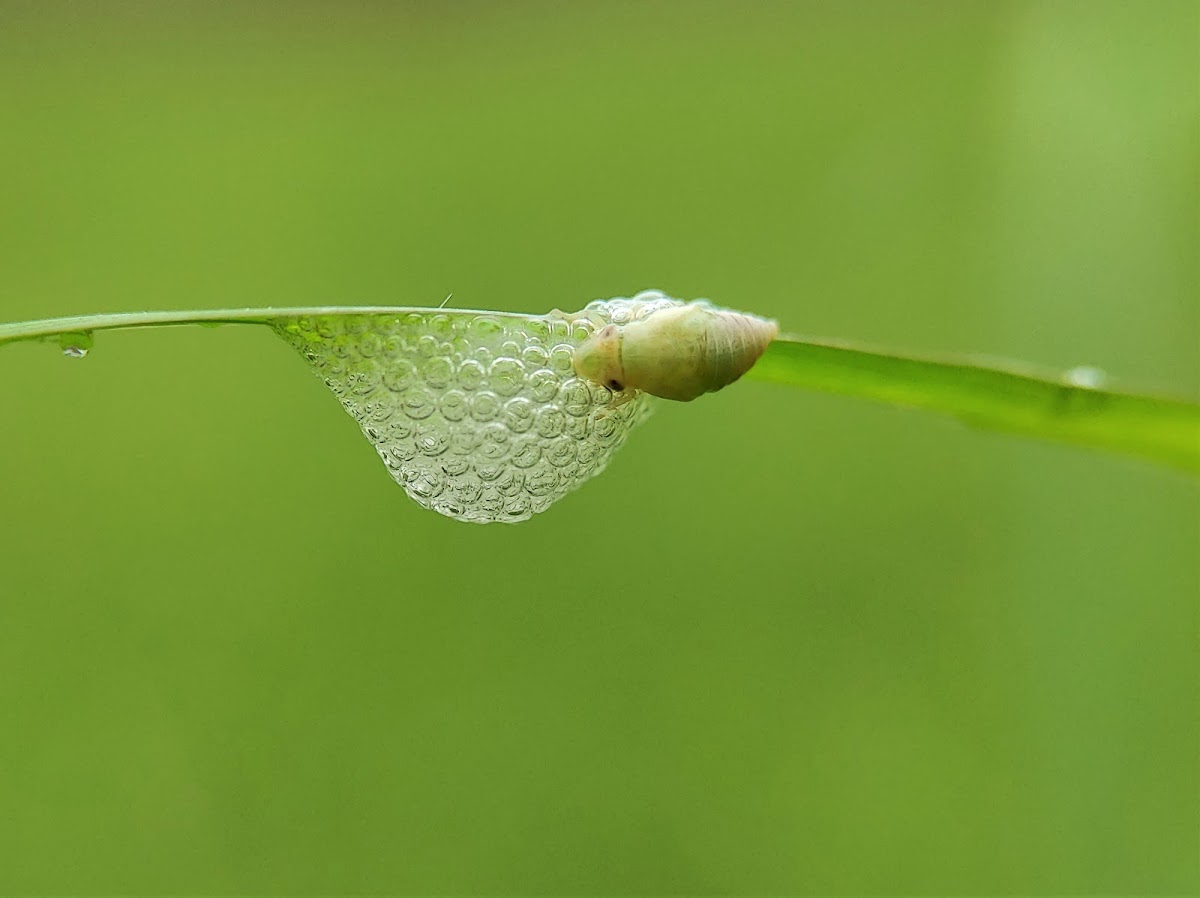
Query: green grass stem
1071	408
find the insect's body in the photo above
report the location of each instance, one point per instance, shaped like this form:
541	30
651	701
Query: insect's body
676	353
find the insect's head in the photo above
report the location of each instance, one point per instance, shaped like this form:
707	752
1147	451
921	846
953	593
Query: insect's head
598	358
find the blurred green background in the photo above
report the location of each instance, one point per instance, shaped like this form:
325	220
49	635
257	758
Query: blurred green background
788	643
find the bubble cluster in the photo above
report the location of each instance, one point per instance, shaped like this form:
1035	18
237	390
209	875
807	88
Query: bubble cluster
479	416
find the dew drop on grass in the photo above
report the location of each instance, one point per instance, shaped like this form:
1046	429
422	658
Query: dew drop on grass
75	344
1086	376
478	417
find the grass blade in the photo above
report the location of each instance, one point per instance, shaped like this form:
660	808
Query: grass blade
1006	397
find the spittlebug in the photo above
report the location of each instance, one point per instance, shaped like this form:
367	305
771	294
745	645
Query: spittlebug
677	353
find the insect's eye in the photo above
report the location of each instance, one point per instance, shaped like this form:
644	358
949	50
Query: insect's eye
615	386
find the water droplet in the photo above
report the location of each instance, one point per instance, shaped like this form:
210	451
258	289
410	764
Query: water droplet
1086	376
76	344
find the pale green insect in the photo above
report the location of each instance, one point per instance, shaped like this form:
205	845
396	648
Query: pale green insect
675	353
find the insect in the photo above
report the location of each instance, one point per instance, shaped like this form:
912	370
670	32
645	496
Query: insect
677	353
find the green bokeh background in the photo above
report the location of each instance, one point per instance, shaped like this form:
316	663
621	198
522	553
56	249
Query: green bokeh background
788	643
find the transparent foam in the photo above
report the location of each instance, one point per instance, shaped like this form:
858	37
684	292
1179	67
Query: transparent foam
478	416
